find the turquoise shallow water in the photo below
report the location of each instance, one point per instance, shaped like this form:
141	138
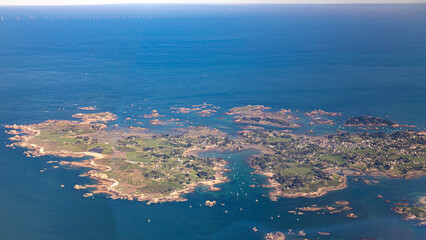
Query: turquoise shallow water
368	60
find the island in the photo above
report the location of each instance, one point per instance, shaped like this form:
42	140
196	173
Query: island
203	110
88	108
336	207
128	164
259	115
275	236
137	163
311	166
369	122
318	117
416	211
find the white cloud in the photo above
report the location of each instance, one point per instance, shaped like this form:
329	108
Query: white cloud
93	2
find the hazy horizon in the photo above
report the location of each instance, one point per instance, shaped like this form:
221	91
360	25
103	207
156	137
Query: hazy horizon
197	2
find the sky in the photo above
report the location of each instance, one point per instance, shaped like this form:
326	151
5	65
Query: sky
95	2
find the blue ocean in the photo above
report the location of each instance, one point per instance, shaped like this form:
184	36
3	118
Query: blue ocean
131	59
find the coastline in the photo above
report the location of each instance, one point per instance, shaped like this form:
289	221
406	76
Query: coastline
105	185
23	135
407	216
276	192
320	192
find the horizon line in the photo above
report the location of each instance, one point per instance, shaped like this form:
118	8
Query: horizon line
206	4
26	3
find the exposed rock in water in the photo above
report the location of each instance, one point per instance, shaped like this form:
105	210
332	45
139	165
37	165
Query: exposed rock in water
210	203
342	202
275	236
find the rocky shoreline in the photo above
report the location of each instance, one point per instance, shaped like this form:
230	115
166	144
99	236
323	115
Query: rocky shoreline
277	192
22	134
293	154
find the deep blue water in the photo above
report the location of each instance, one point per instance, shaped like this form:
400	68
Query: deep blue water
359	60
